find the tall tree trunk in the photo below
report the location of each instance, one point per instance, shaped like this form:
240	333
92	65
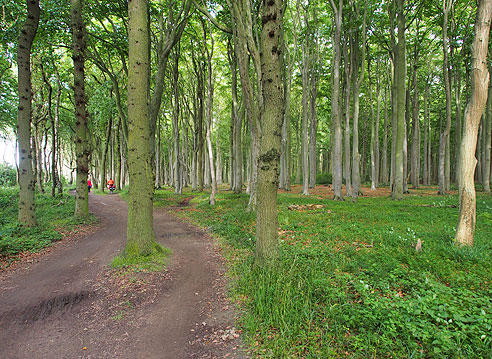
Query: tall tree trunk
426	170
140	231
38	157
271	124
415	150
443	138
26	215
56	137
358	79
458	126
210	94
178	188
487	139
348	75
237	156
81	115
335	109
117	176
479	83
313	125
384	171
104	155
400	76
305	116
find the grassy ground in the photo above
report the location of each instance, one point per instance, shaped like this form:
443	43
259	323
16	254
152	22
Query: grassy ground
349	282
53	215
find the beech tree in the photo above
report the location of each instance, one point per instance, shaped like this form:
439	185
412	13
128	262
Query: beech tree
81	115
26	215
473	113
140	229
272	114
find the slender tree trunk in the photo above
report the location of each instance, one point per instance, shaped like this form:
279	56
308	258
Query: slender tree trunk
117	176
479	84
140	231
210	94
272	115
38	157
335	109
487	139
26	215
443	138
104	155
426	181
384	172
415	150
313	128
358	79
400	76
81	115
305	117
458	126
348	75
237	155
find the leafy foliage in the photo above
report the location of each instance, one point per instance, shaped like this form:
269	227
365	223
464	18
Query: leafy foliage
53	214
8	175
349	281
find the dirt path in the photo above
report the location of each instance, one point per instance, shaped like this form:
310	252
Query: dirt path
70	305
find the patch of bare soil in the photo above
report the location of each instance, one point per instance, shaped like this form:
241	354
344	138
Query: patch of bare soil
326	191
70	304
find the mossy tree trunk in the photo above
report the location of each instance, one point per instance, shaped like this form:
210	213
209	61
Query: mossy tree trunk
140	231
272	114
26	215
474	110
81	131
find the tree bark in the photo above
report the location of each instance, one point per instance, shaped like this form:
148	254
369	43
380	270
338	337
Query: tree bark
26	215
335	109
305	117
487	139
209	104
415	149
272	115
348	75
140	231
358	79
400	76
474	110
443	138
81	115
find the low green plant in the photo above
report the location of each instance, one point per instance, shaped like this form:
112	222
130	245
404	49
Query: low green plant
349	281
52	214
153	262
8	175
323	178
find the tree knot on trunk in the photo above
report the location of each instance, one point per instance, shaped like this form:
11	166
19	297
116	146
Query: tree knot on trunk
270	156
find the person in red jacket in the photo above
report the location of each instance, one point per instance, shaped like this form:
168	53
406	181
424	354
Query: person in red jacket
89	184
111	184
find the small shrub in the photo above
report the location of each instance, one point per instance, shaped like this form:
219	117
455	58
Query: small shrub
323	178
8	175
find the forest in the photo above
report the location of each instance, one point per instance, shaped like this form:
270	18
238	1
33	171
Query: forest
339	150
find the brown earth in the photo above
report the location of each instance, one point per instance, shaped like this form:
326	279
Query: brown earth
326	191
69	303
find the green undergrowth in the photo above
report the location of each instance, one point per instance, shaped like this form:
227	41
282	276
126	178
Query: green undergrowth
153	262
53	215
349	282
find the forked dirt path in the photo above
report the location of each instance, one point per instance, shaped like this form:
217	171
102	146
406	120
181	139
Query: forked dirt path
71	305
